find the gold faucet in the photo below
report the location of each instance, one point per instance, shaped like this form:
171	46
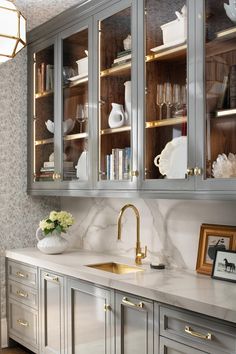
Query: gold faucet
139	254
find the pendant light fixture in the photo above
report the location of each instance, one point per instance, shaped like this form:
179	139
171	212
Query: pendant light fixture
12	30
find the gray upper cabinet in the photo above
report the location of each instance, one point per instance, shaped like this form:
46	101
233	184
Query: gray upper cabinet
134	97
134	325
90	319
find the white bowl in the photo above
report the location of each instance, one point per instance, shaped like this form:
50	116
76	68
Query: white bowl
68	126
231	12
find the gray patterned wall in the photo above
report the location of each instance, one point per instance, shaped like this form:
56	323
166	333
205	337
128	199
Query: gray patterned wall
19	213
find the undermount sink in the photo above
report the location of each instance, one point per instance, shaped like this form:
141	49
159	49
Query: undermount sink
116	268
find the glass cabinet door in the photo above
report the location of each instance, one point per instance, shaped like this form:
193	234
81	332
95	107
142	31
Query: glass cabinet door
75	107
166	106
220	94
43	115
116	144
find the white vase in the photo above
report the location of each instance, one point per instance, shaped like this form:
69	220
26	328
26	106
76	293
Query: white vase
53	243
117	116
128	109
81	168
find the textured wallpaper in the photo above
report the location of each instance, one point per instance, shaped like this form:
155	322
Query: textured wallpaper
19	213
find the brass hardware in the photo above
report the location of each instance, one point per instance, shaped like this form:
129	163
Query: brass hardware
22	293
102	173
139	254
107	307
126	301
57	176
197	171
189	330
134	173
51	278
116	268
23	323
190	171
21	275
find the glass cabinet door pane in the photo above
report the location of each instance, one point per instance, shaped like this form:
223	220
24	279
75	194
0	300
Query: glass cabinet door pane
44	115
220	88
166	89
75	106
115	117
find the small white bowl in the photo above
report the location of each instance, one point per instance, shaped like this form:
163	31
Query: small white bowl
230	12
68	126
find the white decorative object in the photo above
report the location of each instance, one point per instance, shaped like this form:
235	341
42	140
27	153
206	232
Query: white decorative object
169	45
224	167
128	109
230	10
117	116
173	159
51	157
51	244
68	126
81	167
83	65
177	29
127	42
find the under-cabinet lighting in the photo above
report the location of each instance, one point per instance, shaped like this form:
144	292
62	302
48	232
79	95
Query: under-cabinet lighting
12	30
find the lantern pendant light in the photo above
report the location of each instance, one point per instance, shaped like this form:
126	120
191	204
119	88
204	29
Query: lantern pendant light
12	30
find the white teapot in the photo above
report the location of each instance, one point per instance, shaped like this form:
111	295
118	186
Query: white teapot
117	116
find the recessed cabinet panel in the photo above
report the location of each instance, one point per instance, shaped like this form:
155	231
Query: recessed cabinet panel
166	101
43	115
75	106
115	106
220	87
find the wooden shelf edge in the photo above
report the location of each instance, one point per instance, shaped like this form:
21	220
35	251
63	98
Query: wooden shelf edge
170	53
76	83
115	70
166	122
44	141
115	130
43	94
75	136
226	112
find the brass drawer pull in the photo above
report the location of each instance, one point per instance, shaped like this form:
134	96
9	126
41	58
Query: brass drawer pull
107	307
23	323
125	301
189	330
21	275
51	278
21	293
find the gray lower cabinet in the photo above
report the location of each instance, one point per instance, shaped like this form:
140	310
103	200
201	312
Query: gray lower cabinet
52	318
168	346
134	324
90	319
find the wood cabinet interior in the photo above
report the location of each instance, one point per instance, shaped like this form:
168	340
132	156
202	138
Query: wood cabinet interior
220	76
113	31
167	66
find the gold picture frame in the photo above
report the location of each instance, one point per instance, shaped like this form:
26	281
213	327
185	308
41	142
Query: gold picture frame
213	238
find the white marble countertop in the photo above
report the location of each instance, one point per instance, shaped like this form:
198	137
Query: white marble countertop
184	289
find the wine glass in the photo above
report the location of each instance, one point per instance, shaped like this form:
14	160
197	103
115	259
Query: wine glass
168	98
81	115
176	99
160	98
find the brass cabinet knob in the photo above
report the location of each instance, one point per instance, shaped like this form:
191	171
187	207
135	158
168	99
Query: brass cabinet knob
197	171
134	173
190	171
56	176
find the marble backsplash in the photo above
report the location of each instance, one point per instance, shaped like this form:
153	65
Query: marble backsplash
169	228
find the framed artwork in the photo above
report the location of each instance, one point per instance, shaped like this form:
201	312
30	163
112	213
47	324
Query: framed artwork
213	238
224	267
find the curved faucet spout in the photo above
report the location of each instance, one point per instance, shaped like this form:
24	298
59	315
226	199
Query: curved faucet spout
139	254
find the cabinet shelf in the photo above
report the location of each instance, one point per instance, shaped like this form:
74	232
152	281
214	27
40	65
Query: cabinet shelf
226	112
166	122
115	130
44	94
76	82
44	141
75	136
223	43
168	54
117	70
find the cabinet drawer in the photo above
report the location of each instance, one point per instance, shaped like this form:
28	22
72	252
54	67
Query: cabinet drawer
23	293
23	323
199	332
22	273
168	346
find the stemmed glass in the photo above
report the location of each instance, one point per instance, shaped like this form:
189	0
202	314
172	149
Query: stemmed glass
168	98
81	115
176	99
160	98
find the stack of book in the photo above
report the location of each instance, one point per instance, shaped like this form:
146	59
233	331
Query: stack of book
45	77
47	171
122	58
69	171
118	164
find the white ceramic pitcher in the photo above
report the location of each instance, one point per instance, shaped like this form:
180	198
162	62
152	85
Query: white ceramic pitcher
117	116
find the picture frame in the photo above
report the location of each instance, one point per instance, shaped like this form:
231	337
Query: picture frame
224	267
212	238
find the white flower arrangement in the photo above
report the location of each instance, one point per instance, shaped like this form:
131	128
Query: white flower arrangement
57	220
